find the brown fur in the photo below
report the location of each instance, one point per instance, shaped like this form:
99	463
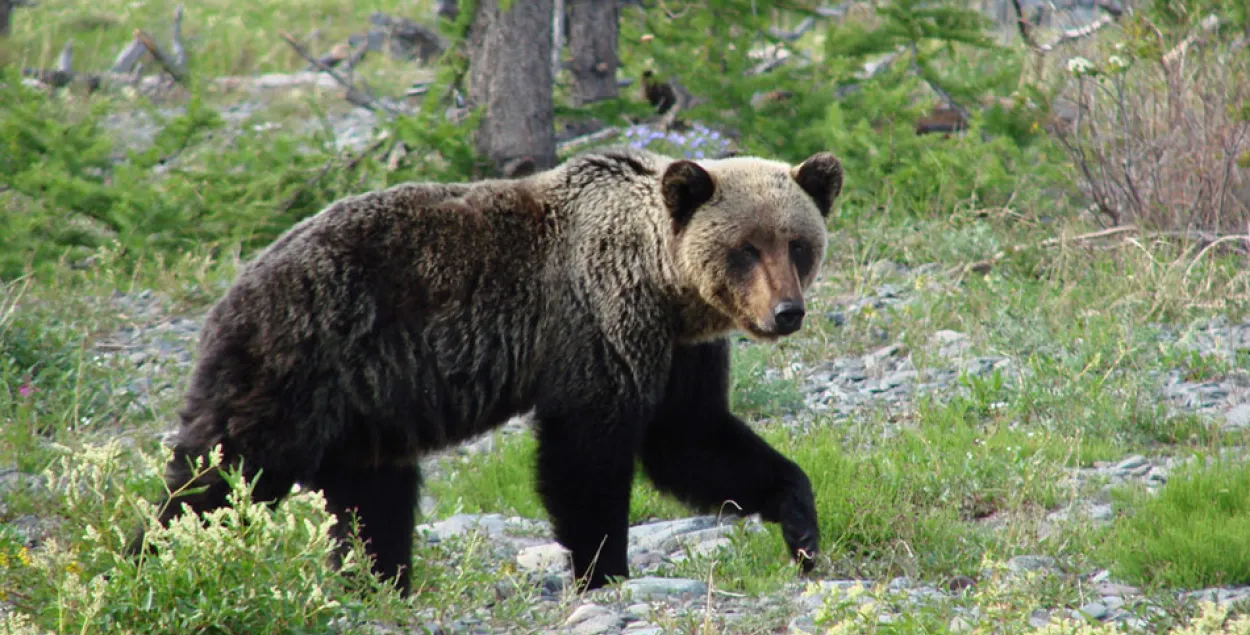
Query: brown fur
399	322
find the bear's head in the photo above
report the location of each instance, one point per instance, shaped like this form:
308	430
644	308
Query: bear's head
750	235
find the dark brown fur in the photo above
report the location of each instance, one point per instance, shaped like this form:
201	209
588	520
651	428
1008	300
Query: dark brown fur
400	322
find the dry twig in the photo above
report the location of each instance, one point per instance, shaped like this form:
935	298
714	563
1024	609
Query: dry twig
168	63
354	95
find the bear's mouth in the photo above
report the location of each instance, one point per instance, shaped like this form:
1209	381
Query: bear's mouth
755	331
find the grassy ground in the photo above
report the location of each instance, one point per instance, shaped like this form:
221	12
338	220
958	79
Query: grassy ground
951	484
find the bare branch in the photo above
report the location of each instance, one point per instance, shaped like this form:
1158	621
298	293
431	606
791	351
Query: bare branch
65	61
162	57
1023	25
790	36
1208	25
129	57
180	52
1077	33
354	94
576	143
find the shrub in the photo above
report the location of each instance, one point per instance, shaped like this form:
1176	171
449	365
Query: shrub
1164	144
244	568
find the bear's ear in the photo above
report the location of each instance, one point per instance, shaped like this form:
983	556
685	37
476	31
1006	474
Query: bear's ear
685	186
821	177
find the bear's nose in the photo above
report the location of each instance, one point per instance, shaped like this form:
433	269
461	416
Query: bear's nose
788	316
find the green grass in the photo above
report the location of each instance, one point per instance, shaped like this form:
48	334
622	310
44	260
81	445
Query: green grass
222	38
1193	533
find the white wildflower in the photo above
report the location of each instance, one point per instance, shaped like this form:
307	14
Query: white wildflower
1080	66
1116	62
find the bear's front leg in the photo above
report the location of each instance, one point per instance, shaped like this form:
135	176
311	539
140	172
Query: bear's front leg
585	473
698	451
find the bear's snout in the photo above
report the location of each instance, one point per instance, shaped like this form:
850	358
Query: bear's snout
788	316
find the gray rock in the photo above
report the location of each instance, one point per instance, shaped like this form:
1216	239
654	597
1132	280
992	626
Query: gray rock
14	482
1113	589
592	619
545	557
1238	418
1101	512
1023	564
1095	610
637	611
666	542
646	560
655	536
494	525
1131	463
653	588
877	359
1039	618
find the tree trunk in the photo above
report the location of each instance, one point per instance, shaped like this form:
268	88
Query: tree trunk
593	30
510	75
6	7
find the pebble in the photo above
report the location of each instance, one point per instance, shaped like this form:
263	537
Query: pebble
14	482
650	588
547	557
592	619
1026	563
1095	610
1039	618
1237	418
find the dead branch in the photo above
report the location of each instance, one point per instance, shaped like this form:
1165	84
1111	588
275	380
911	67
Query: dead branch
237	83
798	31
869	71
355	58
180	52
354	94
1077	33
769	65
1023	25
129	57
162	58
1205	240
1208	25
576	143
65	61
1080	238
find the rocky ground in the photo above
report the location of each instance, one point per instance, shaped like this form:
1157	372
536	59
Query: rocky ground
157	348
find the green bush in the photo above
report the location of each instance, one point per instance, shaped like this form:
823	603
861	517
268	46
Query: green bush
245	568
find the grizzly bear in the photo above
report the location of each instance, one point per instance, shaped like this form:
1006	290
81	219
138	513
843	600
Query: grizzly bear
598	295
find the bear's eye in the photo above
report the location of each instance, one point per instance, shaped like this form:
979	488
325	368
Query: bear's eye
801	255
742	259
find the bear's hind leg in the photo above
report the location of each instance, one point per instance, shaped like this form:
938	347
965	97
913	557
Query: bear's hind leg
698	451
383	500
